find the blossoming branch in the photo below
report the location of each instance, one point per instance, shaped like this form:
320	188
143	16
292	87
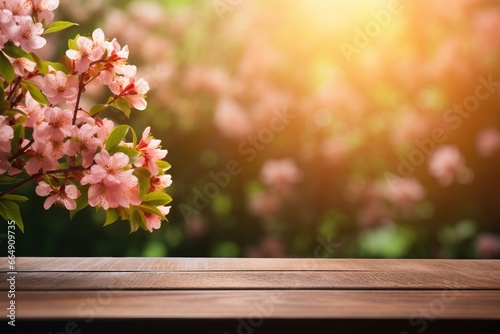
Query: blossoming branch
76	157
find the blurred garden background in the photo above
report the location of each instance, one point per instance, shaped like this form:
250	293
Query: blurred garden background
305	128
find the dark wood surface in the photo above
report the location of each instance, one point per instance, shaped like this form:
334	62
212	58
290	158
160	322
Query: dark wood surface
57	289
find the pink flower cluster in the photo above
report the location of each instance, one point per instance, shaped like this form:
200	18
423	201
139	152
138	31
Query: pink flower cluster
21	22
68	150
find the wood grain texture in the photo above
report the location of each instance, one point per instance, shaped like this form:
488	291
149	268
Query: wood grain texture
237	264
244	280
283	304
199	288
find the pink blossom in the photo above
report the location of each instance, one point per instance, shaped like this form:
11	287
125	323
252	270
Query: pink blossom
5	16
105	126
280	174
89	50
39	159
126	70
160	182
154	221
43	9
60	87
150	151
33	110
83	142
56	126
446	164
55	148
27	34
99	196
64	196
109	169
488	142
6	134
22	66
112	185
116	63
17	7
4	163
134	91
6	22
113	196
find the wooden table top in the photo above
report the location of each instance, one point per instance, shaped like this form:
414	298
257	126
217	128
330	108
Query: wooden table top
216	288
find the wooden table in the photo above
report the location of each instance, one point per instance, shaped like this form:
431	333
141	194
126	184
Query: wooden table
207	295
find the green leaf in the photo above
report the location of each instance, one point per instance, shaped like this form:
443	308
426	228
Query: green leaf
163	165
97	109
12	112
10	211
137	220
13	51
115	138
72	43
40	64
111	216
81	202
35	92
6	179
132	154
157	198
144	177
58	26
151	209
6	69
125	213
134	138
15	198
57	66
18	135
21	119
123	105
63	165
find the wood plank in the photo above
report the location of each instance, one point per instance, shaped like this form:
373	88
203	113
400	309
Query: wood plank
255	280
269	326
235	264
283	304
